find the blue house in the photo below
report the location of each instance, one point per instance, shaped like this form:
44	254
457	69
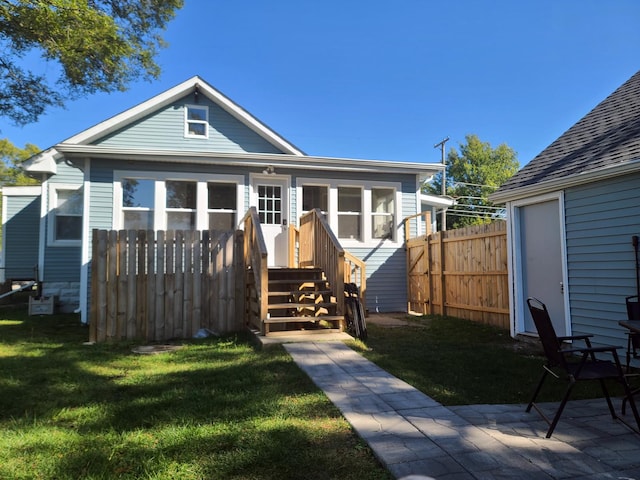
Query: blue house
572	213
190	158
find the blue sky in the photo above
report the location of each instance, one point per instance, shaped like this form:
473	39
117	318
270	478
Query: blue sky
387	80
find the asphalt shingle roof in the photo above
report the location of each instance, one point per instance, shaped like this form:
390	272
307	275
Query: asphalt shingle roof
607	135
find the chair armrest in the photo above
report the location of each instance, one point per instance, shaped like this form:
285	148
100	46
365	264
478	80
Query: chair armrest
605	348
574	337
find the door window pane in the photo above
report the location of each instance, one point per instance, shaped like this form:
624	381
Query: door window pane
270	204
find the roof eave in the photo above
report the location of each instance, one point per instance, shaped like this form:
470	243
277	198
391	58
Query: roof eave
248	159
554	185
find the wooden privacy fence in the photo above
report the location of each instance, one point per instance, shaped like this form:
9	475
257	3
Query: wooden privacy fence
461	273
165	284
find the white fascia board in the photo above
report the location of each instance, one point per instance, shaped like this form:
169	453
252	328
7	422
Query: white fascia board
169	96
554	185
248	159
437	200
43	162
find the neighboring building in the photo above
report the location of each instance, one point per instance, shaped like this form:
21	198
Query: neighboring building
572	213
190	158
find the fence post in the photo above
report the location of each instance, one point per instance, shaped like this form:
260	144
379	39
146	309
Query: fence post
443	293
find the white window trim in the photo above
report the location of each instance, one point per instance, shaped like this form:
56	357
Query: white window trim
204	122
367	240
159	208
51	214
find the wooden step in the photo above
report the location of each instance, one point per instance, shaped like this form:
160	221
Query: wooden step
296	281
326	318
285	293
282	306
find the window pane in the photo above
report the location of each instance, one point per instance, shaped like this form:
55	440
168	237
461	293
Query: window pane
382	226
137	193
222	196
222	221
68	227
349	199
181	194
314	197
269	204
382	200
349	226
69	202
181	220
195	113
198	129
138	220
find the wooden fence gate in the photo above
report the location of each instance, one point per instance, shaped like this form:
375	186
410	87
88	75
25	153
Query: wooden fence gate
461	273
165	284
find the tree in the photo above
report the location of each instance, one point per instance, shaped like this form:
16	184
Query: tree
89	45
471	176
12	157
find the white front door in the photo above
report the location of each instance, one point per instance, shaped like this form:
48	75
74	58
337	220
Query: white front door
270	196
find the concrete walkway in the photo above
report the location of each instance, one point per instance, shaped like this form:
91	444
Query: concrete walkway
415	437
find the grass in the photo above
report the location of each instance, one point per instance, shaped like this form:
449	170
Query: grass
458	362
216	408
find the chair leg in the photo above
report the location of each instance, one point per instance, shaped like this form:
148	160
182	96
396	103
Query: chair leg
537	391
556	418
607	397
629	398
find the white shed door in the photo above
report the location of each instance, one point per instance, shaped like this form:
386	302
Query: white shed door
542	262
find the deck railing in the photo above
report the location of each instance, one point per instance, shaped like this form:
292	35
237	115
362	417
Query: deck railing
255	260
320	248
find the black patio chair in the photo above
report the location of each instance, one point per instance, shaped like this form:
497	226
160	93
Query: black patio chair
633	339
576	364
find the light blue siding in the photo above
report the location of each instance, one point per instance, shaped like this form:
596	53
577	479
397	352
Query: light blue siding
600	221
386	278
164	130
22	234
62	263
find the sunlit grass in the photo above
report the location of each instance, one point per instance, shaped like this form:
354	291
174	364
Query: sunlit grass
215	409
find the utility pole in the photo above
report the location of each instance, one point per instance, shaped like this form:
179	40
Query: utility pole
444	181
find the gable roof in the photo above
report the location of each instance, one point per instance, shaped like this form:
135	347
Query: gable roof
604	143
169	96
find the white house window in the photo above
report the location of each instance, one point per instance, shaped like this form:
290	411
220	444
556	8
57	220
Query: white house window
196	121
382	213
181	205
315	196
222	205
137	203
66	227
350	212
176	200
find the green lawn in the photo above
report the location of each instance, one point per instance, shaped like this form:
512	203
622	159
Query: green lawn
458	362
217	408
